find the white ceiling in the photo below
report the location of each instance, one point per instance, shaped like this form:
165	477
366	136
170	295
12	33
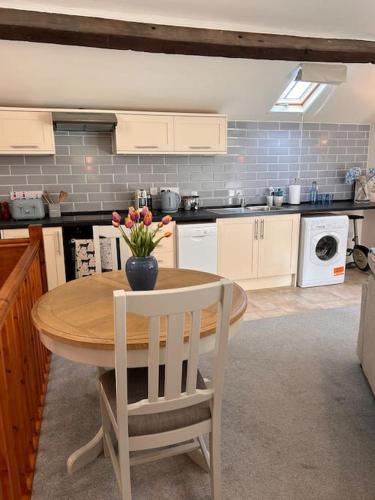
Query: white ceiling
52	76
341	18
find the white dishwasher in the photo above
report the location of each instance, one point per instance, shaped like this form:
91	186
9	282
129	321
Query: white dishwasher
197	247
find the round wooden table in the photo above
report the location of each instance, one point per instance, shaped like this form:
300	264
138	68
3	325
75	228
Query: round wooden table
75	321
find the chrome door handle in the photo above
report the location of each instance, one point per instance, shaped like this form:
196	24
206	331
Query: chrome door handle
256	229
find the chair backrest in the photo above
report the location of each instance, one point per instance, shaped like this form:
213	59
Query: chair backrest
118	249
182	309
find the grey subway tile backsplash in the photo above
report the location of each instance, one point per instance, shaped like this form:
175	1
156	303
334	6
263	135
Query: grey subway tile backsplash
260	154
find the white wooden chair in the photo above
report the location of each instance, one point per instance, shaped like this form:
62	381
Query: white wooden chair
166	408
118	248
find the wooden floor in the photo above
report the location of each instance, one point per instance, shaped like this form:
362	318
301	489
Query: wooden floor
283	301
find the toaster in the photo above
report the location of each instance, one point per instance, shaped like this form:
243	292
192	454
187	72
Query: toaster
27	209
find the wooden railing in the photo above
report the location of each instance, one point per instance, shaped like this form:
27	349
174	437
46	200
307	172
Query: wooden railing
24	362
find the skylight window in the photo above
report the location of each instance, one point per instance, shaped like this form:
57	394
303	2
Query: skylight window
298	96
297	93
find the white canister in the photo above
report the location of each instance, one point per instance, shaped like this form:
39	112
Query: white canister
294	194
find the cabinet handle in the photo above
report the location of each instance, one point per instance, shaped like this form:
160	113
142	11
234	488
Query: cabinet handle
200	147
58	244
262	229
24	146
256	229
147	147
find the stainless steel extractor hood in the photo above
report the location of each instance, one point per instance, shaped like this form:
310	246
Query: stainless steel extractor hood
84	122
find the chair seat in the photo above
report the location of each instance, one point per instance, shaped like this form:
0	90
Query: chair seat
141	425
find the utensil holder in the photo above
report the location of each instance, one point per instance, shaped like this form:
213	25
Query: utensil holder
54	210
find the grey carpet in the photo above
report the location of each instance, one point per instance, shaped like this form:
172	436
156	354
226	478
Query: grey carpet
298	422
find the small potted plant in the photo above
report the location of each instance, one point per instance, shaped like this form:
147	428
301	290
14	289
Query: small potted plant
142	267
361	188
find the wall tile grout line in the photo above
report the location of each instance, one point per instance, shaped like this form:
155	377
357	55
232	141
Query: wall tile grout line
260	154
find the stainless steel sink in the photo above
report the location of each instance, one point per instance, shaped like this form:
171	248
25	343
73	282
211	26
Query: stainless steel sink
244	210
229	210
259	208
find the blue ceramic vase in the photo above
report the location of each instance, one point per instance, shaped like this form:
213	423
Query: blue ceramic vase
142	272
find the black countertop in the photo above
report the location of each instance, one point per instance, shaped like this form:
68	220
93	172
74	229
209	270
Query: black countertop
202	215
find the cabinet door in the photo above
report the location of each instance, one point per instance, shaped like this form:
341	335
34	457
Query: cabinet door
237	248
142	134
54	252
165	252
26	132
53	249
8	234
200	134
278	245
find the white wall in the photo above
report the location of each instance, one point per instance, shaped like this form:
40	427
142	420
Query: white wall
333	18
54	75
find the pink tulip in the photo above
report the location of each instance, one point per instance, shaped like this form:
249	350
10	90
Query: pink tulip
115	223
166	219
116	217
134	215
147	219
144	211
129	223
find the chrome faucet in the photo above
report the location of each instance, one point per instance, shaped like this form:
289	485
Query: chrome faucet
241	199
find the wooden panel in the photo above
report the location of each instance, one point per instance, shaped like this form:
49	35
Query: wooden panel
143	133
54	252
15	233
165	259
24	366
9	256
276	245
200	134
26	132
237	248
126	35
166	244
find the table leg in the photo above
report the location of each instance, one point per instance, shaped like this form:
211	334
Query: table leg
86	453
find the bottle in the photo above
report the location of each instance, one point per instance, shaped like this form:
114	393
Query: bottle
314	193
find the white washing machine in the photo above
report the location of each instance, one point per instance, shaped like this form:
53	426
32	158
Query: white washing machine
322	250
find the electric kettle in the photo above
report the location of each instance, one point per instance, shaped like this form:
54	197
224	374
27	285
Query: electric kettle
170	201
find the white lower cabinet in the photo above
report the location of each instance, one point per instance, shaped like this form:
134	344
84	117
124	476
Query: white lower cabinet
165	252
53	249
259	252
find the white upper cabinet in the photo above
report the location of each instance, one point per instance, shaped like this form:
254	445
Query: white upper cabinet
26	132
200	134
142	133
152	133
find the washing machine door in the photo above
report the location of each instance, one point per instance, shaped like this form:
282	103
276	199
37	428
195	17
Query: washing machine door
324	249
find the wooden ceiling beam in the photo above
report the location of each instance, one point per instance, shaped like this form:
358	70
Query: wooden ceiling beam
64	29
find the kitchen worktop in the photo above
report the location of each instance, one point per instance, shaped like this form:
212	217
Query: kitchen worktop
202	215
